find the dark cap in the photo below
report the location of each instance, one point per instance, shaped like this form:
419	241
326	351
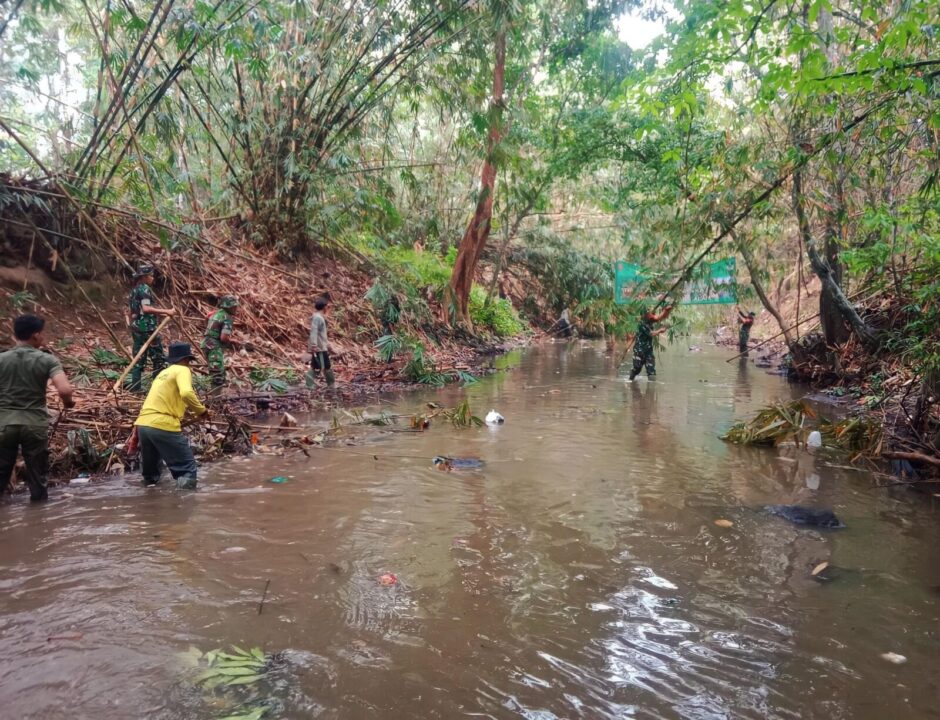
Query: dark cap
179	351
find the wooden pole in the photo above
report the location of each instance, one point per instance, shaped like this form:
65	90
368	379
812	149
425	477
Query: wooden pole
772	337
854	297
140	352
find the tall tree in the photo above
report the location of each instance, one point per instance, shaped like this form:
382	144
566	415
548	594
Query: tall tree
478	231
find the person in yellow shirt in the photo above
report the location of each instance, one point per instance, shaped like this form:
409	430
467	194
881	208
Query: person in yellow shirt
158	425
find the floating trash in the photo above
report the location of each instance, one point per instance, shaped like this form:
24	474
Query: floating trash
448	463
894	658
494	418
279	480
799	515
388	579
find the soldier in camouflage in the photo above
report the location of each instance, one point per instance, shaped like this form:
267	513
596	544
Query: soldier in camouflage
142	320
219	335
744	333
643	344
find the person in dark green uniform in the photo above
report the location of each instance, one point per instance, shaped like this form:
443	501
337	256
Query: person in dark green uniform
143	321
744	333
643	343
24	373
218	336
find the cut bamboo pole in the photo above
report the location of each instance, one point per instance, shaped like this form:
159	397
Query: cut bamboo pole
141	352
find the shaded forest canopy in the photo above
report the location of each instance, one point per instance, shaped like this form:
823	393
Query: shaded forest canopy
458	147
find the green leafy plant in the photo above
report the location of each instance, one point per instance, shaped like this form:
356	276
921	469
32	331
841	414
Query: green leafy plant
498	316
237	667
21	299
389	346
462	416
773	425
271	379
103	356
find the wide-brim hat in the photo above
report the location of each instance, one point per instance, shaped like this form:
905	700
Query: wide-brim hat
179	351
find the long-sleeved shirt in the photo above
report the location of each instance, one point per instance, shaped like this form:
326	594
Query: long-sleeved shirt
318	341
171	393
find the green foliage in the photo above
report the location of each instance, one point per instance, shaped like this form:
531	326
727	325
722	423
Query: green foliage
773	425
405	279
21	300
568	277
273	380
498	315
232	678
462	415
419	367
389	346
103	356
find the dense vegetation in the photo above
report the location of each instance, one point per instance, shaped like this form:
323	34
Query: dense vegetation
452	142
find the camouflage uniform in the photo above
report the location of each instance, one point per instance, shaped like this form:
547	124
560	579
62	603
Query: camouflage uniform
643	349
220	323
142	326
744	333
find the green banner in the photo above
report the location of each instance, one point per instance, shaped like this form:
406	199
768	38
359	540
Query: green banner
711	284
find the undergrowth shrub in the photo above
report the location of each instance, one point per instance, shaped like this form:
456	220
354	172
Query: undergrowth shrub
499	317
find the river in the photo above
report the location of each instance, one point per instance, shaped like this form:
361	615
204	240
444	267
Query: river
578	575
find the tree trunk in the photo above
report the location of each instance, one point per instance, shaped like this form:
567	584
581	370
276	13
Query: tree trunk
759	288
478	231
834	327
835	331
822	269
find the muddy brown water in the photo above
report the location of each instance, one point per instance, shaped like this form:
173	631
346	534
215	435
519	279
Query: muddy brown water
578	575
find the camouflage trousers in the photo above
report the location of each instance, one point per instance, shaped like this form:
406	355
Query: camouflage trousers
744	334
643	355
215	357
154	355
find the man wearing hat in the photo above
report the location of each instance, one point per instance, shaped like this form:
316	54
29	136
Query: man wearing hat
158	426
219	335
744	333
143	321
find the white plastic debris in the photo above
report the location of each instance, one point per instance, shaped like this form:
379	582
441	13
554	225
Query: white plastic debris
494	418
814	440
894	658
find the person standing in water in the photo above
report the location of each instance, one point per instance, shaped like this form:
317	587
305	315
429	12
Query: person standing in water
643	343
744	333
159	427
25	371
318	345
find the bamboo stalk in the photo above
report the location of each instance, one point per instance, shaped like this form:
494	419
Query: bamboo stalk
141	352
71	199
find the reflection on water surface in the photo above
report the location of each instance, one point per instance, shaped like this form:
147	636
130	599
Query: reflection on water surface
579	574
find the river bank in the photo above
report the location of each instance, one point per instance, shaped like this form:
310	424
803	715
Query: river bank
388	325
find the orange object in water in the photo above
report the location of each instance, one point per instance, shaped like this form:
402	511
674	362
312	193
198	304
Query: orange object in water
388	579
254	438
